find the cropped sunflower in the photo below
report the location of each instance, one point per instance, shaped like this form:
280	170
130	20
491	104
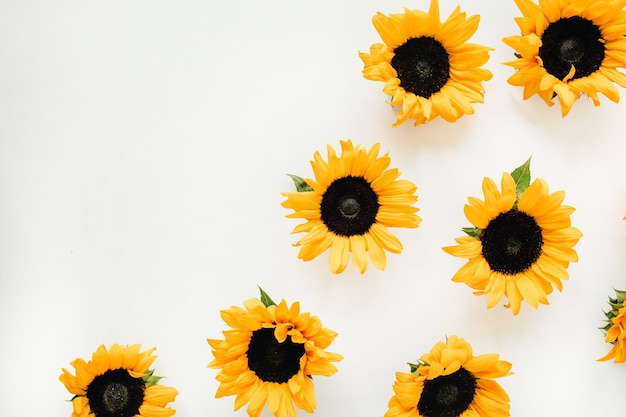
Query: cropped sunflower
271	354
117	383
349	206
616	328
568	48
521	243
428	68
449	381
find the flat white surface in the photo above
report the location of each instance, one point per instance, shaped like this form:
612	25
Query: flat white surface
143	150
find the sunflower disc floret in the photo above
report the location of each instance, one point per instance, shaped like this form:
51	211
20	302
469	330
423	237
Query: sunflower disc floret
449	382
615	329
521	242
349	205
569	48
270	355
116	382
428	68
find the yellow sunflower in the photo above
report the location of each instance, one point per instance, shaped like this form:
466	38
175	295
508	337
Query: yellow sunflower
616	328
450	381
349	205
568	48
117	383
521	243
428	68
270	355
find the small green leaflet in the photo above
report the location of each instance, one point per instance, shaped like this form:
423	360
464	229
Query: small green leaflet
415	366
474	232
151	379
265	299
521	175
300	183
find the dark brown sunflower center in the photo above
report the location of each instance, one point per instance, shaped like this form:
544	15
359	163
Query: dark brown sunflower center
115	394
422	65
349	206
272	361
447	395
572	41
512	242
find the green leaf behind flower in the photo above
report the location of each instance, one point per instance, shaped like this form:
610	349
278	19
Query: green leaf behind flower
415	366
300	183
151	379
265	299
521	175
474	232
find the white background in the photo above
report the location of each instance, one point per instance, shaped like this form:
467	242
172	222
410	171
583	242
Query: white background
143	149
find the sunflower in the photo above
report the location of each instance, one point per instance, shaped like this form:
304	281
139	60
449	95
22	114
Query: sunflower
449	381
616	328
521	243
568	48
117	383
428	68
349	205
270	354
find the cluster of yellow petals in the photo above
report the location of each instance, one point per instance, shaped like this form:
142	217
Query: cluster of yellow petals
237	379
617	336
156	397
607	15
446	358
395	198
463	87
559	237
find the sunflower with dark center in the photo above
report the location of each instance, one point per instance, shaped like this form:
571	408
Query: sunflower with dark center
451	382
616	328
569	48
521	244
270	355
428	68
349	205
118	383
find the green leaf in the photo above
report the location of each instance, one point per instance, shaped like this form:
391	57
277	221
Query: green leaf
415	366
621	295
474	232
265	299
300	183
151	379
521	175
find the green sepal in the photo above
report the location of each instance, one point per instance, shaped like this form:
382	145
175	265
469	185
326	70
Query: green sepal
266	299
620	296
521	175
616	304
300	183
415	366
150	379
517	55
474	232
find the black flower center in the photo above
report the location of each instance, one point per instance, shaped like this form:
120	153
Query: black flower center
447	395
423	66
349	206
115	394
512	242
572	41
272	361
